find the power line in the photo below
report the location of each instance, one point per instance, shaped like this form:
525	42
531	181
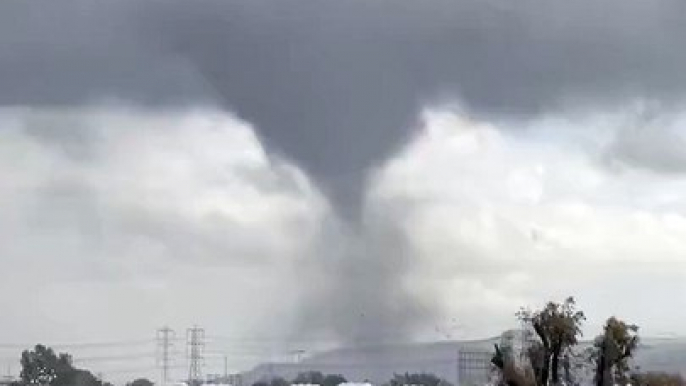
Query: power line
121	343
165	338
268	340
226	367
134	370
114	358
195	338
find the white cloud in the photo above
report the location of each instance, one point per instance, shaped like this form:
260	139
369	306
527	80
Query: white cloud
504	215
158	217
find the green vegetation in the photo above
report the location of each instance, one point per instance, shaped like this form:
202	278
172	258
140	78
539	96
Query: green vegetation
557	329
612	351
308	377
551	358
42	366
141	382
317	378
422	379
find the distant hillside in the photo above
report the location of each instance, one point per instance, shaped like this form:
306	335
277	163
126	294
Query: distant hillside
377	364
663	355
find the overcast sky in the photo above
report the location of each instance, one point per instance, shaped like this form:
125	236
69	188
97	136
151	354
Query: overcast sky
292	173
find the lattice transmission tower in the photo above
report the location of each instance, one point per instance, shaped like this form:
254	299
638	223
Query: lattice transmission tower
165	343
195	344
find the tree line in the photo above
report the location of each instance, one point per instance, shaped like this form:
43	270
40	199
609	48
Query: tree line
318	378
552	348
42	366
305	378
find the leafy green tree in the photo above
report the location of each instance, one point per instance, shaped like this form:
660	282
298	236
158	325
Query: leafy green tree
279	381
141	382
77	377
333	380
309	377
558	327
317	378
423	379
537	355
42	366
612	351
510	374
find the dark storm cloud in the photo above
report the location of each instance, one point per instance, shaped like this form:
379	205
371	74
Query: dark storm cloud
79	51
336	85
653	140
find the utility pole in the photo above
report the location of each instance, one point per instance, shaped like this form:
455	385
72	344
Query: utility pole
195	341
226	368
458	373
165	342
